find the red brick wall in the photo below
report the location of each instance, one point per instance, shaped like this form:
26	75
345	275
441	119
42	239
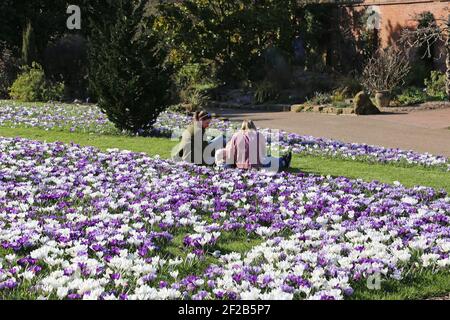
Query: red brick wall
396	15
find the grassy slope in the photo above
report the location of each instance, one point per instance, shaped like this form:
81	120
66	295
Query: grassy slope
425	286
410	176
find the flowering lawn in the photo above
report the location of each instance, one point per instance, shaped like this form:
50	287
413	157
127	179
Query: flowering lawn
387	173
78	223
89	119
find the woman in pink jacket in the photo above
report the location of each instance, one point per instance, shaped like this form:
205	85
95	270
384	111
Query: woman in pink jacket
247	150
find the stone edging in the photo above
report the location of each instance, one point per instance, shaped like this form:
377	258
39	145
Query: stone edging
322	109
427	106
328	109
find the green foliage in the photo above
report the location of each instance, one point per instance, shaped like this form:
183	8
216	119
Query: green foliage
266	91
47	17
9	67
189	74
192	82
233	33
53	92
66	61
36	26
435	90
31	86
420	70
313	82
28	45
315	26
411	96
338	96
126	70
193	74
194	99
348	87
321	99
276	67
436	85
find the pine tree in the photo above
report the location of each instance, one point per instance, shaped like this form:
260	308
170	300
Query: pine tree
126	70
28	45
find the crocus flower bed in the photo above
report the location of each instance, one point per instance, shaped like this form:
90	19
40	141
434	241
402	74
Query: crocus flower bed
76	223
91	119
56	117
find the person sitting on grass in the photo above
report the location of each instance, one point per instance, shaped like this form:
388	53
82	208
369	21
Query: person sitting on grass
247	150
194	146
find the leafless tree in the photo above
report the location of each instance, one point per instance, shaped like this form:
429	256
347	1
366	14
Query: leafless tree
437	31
386	70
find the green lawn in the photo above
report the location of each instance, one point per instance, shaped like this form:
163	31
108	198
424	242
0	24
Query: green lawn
151	146
427	285
409	176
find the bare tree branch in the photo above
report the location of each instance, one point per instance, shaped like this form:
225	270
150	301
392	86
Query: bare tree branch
426	36
386	70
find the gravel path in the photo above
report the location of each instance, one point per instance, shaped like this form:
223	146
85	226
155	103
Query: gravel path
421	131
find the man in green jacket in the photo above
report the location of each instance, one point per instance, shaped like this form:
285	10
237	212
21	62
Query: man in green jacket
193	142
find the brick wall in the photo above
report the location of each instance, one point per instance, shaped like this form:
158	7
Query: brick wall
398	14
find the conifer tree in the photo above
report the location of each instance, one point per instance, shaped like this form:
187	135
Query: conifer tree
28	45
126	70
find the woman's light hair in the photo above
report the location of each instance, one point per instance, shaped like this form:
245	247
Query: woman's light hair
248	125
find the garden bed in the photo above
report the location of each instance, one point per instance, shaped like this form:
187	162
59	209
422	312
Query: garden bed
82	224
